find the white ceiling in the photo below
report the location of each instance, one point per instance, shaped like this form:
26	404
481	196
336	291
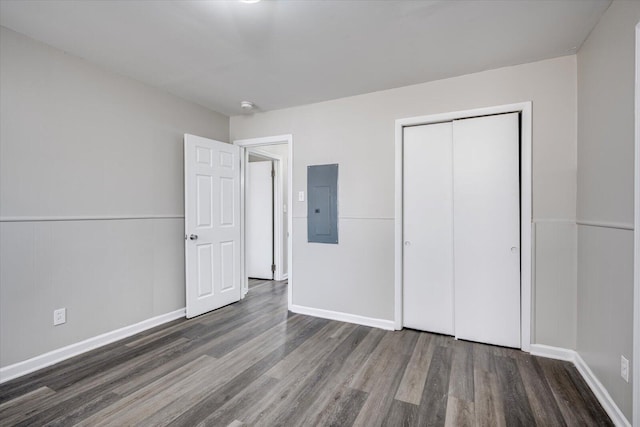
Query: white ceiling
283	53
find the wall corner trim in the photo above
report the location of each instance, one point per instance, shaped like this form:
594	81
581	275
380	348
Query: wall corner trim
55	356
636	239
601	393
343	317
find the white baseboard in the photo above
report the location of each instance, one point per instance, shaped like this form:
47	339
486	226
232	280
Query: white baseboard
343	317
553	352
47	359
601	393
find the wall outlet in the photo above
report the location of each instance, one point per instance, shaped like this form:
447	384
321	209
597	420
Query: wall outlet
624	368
59	316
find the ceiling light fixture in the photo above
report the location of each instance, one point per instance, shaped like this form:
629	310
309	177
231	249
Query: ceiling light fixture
247	105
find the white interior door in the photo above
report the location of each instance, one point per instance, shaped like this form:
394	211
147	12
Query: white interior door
428	228
212	224
486	218
259	220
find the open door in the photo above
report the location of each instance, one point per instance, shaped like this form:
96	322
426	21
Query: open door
259	220
212	224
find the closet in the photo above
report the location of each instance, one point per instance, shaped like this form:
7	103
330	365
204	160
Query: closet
461	218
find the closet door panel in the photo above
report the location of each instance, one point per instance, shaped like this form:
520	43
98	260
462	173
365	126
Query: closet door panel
486	218
428	228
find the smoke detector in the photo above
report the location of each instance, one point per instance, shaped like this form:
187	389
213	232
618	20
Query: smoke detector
247	105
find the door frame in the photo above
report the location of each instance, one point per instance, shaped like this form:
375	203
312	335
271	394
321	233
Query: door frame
253	143
278	243
526	223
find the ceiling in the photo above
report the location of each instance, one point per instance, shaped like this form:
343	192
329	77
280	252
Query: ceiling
282	53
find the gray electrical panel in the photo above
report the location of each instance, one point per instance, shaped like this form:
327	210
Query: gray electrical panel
322	204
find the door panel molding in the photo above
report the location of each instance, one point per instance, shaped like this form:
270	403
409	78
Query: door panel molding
211	224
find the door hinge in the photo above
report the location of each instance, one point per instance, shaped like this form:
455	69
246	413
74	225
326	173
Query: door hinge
273	268
273	173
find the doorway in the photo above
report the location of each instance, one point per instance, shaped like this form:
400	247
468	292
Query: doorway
260	224
523	228
278	150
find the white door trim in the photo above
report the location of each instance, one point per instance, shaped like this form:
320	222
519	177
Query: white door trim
636	232
277	212
525	204
244	145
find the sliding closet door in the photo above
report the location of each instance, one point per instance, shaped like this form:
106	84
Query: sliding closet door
486	217
428	231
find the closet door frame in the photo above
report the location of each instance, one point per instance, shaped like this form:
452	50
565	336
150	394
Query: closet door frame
526	223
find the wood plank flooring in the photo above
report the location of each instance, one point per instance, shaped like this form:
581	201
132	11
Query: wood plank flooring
254	363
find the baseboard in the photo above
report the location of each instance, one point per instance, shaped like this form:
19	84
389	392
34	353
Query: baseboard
601	393
47	359
553	352
343	317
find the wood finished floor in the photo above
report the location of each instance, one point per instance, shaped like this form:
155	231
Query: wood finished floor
253	363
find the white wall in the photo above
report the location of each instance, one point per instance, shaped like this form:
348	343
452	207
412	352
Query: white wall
356	276
606	75
79	141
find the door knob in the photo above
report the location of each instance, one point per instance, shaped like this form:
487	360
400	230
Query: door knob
193	237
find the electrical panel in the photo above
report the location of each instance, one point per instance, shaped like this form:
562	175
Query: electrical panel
322	204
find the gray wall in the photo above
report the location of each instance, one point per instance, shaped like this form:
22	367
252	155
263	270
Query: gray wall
356	276
79	141
606	73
